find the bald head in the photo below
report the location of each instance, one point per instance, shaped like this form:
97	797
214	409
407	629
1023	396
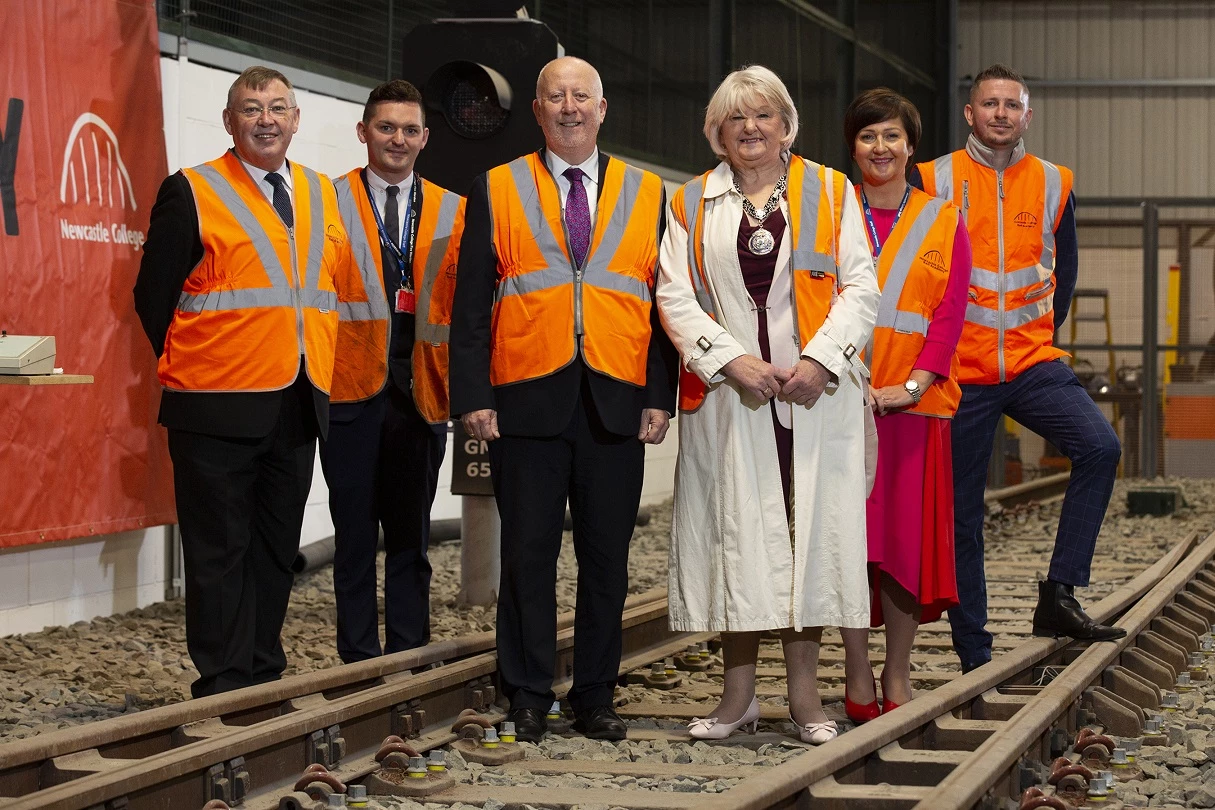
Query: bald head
569	67
569	107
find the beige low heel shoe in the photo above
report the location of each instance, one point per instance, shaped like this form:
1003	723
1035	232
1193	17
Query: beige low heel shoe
711	728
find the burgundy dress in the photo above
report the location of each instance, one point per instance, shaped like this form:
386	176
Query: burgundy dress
757	273
910	511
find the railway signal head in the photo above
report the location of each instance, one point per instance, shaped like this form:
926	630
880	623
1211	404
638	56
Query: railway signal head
478	77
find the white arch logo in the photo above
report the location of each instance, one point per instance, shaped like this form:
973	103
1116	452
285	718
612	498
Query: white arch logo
89	170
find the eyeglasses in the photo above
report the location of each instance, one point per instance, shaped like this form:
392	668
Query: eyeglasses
279	111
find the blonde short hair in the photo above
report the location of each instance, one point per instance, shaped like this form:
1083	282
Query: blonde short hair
751	87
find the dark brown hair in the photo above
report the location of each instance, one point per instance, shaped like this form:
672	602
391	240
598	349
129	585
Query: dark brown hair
878	105
395	91
997	72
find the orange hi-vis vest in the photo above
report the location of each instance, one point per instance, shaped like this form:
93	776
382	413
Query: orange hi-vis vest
913	272
361	369
546	309
812	198
1012	216
263	293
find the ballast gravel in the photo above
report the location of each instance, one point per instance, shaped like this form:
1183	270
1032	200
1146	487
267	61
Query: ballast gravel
1180	773
65	676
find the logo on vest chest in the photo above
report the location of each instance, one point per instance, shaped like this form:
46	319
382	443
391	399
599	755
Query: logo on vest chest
935	260
1026	220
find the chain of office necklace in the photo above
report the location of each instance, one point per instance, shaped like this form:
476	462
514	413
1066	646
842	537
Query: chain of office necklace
762	241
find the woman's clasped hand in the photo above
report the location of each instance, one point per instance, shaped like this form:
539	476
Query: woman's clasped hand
889	399
802	384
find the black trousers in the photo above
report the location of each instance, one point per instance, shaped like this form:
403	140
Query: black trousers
600	472
381	461
240	507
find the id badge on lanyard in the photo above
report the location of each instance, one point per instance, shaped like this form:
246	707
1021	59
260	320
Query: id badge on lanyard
406	300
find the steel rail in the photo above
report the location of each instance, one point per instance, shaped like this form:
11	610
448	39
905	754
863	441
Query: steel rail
967	784
127	745
126	735
188	764
1036	489
367	709
789	784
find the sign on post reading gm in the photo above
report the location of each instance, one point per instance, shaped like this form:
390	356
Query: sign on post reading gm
469	464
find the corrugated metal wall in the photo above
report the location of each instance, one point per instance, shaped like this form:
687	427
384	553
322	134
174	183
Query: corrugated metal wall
1121	141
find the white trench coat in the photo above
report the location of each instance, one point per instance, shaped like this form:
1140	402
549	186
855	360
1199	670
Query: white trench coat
735	562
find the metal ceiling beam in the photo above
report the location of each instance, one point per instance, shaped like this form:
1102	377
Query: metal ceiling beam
1100	84
846	32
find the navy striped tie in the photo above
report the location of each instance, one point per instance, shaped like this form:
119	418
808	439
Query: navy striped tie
282	198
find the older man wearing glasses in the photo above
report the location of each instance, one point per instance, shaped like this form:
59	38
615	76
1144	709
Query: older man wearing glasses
236	293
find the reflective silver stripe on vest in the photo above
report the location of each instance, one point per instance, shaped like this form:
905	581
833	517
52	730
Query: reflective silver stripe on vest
436	334
1013	279
942	171
424	330
1013	318
595	271
532	282
1050	212
888	314
220	300
375	308
693	195
316	231
326	300
807	258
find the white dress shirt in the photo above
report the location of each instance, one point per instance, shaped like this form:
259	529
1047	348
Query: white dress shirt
590	178
379	194
259	177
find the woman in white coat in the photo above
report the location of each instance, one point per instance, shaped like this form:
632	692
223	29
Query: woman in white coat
768	291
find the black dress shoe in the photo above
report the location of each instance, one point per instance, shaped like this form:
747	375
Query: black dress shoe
971	666
1059	614
600	723
530	724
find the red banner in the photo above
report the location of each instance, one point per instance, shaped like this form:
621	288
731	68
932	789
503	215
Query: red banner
82	153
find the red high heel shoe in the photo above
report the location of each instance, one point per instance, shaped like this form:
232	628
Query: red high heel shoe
888	705
861	712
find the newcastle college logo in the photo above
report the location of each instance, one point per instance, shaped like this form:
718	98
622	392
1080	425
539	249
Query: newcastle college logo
95	176
935	260
1026	220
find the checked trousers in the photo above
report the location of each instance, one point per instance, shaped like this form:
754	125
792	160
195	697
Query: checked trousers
1050	401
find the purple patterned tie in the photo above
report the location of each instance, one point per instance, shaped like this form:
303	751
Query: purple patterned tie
577	215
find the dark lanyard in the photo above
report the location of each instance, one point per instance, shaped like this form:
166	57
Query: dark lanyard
413	202
873	234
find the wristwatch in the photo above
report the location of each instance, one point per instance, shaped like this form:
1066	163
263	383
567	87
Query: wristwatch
913	389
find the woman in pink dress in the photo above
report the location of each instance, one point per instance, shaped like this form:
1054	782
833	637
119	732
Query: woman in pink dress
922	254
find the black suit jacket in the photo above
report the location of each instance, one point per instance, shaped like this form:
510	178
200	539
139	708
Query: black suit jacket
174	248
544	406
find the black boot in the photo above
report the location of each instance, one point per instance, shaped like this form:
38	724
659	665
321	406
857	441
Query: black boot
1059	614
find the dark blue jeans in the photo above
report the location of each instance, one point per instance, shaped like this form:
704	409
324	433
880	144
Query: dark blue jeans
1049	400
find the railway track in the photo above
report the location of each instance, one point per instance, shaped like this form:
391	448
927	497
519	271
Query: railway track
962	743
